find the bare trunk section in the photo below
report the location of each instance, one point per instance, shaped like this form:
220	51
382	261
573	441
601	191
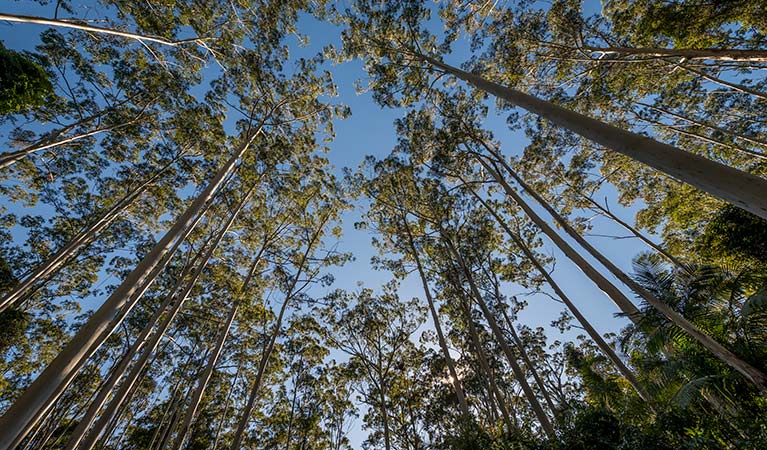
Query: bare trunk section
10	158
50	266
526	359
593	333
731	185
455	381
83	27
485	366
239	434
89	441
612	292
757	377
39	396
543	419
712	54
196	397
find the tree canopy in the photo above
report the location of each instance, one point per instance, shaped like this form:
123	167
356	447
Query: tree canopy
397	225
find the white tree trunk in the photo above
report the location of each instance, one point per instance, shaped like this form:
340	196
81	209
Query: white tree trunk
39	396
742	189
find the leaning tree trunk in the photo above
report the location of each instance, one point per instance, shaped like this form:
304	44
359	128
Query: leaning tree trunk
53	263
92	29
729	184
543	419
202	384
119	370
38	397
593	333
757	377
712	54
239	434
9	158
455	381
119	397
526	358
615	294
485	366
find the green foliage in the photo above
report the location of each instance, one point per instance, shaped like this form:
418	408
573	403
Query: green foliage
23	83
734	235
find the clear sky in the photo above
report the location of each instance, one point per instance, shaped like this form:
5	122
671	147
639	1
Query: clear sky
370	131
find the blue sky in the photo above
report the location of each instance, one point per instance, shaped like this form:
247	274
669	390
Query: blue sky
370	131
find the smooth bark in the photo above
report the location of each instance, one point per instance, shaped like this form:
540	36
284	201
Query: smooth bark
757	377
585	324
38	397
56	261
454	380
543	419
151	345
729	184
89	28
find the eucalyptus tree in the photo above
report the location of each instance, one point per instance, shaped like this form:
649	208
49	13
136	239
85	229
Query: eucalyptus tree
375	331
396	45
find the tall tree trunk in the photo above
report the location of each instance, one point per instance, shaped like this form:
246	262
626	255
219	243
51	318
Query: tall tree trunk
712	54
9	158
757	377
485	366
454	380
543	419
119	370
731	185
204	378
226	407
121	394
612	292
39	396
56	261
89	28
593	333
526	358
239	434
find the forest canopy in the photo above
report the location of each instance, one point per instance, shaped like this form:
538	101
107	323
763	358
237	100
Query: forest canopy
397	225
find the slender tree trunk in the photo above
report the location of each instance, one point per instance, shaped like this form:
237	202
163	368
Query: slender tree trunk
70	23
526	358
731	185
384	414
239	434
119	370
734	86
485	366
455	381
712	54
39	396
612	292
757	377
119	397
202	384
53	263
543	419
10	158
226	408
595	336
